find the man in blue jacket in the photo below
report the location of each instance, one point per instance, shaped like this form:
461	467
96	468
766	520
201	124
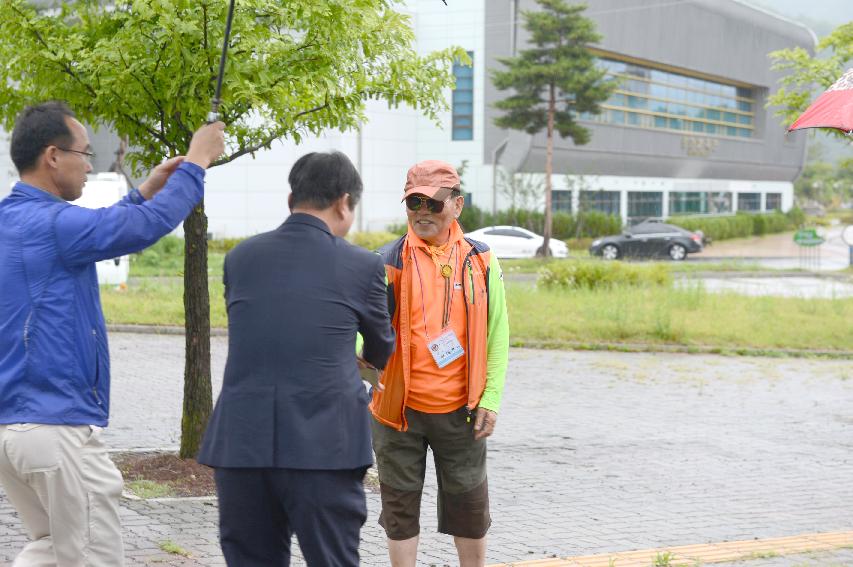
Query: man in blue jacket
54	360
290	434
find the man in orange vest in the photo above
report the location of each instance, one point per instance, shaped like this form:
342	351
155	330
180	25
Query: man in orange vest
442	386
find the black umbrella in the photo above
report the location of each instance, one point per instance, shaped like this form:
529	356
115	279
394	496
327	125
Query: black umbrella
214	103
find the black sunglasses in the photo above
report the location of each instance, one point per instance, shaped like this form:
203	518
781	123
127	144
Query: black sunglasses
416	203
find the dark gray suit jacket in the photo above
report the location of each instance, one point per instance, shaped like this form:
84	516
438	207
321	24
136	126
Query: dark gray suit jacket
292	396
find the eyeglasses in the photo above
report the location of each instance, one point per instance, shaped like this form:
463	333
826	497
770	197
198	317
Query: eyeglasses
417	202
88	155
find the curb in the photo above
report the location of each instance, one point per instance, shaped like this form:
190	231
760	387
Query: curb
571	345
682	349
160	330
764	275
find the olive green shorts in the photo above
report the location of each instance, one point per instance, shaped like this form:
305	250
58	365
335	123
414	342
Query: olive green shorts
460	464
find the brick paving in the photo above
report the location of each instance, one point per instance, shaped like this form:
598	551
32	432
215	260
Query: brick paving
595	452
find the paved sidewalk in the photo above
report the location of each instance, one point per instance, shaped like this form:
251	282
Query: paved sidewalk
595	452
779	251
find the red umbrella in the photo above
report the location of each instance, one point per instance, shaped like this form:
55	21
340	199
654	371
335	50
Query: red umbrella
832	109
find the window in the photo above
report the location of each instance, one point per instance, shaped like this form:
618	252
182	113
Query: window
652	228
773	202
463	101
645	204
719	202
606	202
688	203
665	100
507	232
750	202
561	201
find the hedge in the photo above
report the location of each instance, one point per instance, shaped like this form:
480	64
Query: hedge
372	240
590	224
741	225
600	274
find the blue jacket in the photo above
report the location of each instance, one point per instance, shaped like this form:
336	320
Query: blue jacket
54	358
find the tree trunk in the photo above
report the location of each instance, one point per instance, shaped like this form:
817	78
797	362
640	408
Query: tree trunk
545	251
198	398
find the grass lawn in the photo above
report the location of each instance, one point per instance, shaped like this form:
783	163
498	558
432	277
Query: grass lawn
648	315
158	303
173	265
691	317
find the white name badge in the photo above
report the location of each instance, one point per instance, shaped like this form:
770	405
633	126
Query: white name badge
446	348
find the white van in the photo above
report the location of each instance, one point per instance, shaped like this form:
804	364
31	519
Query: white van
103	190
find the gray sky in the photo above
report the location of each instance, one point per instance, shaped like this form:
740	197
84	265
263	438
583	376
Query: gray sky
820	15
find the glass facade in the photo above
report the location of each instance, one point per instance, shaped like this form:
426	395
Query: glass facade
645	204
561	201
773	202
749	202
688	202
607	202
720	202
657	99
463	101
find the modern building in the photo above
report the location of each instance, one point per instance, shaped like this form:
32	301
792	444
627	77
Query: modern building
687	132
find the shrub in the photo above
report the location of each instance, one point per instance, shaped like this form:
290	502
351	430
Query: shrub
471	218
741	225
796	217
578	244
168	247
600	274
593	224
372	240
223	245
759	225
778	222
164	257
399	228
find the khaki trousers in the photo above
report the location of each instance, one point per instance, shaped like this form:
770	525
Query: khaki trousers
66	490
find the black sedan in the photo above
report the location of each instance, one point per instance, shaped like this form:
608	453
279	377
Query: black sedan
650	238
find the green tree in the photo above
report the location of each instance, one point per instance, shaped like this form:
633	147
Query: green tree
808	74
553	82
826	183
147	70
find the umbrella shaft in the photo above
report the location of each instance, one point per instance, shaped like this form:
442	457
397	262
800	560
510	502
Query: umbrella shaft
214	104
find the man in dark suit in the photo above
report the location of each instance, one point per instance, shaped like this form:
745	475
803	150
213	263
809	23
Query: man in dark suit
290	434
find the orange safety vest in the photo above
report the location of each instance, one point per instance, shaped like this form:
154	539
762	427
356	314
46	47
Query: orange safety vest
388	406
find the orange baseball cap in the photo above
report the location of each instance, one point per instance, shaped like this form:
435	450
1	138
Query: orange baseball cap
433	178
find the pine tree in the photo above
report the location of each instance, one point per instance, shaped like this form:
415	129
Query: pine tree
553	82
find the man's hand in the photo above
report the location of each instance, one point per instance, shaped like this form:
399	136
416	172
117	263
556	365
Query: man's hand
208	143
158	177
364	365
484	425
